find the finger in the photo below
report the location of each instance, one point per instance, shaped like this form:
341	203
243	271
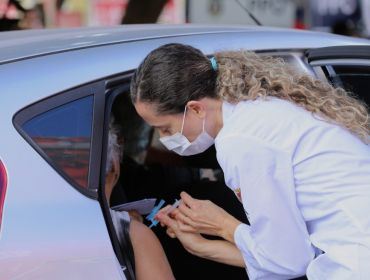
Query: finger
171	233
185	210
163	210
174	213
185	220
186	228
170	230
166	220
188	199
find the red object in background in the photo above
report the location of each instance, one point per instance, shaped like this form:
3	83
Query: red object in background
3	186
299	25
108	12
299	18
8	11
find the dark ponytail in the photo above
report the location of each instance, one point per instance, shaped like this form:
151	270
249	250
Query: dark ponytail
172	75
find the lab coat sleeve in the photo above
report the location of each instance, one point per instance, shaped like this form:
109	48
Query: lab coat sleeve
276	245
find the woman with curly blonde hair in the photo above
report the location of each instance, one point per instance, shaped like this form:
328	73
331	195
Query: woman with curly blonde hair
294	150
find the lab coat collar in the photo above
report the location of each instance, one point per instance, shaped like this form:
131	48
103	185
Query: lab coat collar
227	110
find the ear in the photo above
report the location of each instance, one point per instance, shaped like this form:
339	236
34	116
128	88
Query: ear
197	107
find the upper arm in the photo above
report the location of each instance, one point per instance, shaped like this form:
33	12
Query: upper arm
150	259
265	177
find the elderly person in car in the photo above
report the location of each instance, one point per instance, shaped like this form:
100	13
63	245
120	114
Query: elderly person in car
150	259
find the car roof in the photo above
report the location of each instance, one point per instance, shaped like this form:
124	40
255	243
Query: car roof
16	45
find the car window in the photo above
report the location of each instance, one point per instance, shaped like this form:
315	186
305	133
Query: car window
64	135
355	79
344	66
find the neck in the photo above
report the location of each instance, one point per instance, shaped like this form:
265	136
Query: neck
218	120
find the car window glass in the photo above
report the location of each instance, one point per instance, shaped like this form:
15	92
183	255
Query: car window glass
355	79
64	135
134	131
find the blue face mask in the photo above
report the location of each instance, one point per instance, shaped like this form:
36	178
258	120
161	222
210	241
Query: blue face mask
179	144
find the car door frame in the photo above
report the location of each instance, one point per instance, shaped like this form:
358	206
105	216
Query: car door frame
112	88
322	60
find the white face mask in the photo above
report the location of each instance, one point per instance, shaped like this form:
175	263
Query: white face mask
179	144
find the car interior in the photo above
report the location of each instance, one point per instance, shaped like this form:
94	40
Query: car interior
148	170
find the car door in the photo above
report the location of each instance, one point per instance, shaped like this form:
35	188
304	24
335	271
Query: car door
344	66
54	227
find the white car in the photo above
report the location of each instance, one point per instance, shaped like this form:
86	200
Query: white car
58	90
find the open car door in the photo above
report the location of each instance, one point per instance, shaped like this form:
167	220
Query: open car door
344	66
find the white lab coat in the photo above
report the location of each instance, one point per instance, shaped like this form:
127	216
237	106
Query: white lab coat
305	186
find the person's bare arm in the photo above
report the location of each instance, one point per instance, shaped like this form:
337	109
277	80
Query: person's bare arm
221	251
150	259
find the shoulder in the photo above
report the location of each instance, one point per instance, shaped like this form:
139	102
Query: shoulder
269	121
272	108
241	149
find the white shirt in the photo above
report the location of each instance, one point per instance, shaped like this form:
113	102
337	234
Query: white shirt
305	186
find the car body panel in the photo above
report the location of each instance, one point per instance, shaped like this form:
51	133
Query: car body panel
23	44
85	65
60	237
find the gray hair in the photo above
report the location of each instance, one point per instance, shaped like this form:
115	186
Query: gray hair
114	149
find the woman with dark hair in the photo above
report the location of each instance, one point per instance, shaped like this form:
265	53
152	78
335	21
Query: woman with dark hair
293	149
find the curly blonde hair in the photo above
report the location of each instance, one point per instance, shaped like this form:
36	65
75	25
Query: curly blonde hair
244	75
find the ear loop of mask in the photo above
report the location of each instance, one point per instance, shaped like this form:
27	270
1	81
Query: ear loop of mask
183	122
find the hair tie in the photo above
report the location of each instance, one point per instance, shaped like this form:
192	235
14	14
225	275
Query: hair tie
214	63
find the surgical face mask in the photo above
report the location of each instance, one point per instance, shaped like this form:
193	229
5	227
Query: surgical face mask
179	144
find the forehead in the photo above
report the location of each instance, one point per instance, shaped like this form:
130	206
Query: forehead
148	112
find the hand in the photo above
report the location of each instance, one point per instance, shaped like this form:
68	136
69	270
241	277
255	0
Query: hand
215	250
194	243
158	217
203	216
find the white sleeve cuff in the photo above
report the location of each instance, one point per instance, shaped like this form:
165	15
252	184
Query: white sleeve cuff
256	267
244	242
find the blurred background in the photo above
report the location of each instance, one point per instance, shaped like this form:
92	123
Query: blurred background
347	17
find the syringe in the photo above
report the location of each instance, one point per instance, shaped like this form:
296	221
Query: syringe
174	206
